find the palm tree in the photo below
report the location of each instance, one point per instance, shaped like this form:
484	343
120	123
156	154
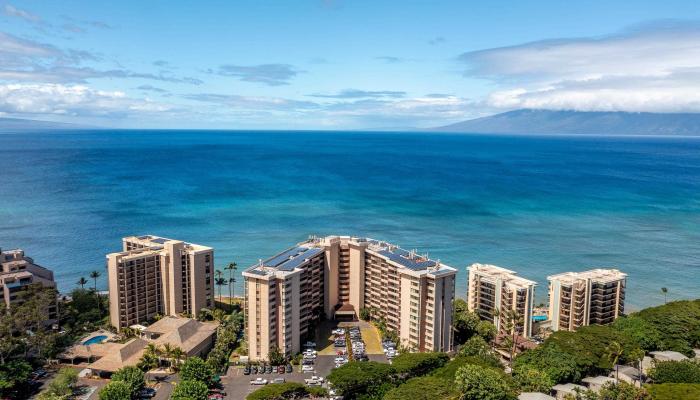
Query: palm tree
220	282
94	275
637	355
665	292
167	352
512	319
231	267
614	352
82	282
177	354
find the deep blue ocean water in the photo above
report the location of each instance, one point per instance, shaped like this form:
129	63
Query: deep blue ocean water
539	205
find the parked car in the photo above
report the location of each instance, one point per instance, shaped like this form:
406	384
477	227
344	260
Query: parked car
280	369
307	368
258	381
289	369
216	396
313	382
310	344
268	370
246	370
147	393
254	369
278	380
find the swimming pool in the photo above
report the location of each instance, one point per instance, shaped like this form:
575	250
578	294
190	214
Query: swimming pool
95	340
539	318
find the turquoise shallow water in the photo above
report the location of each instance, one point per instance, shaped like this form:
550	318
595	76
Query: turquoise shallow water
539	205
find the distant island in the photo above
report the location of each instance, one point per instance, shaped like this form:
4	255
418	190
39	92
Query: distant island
19	124
584	123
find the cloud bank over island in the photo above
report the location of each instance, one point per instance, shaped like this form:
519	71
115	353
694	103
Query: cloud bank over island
64	68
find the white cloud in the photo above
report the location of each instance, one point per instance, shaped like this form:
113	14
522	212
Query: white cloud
13	11
655	68
75	100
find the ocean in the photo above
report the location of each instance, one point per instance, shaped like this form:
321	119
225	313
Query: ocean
538	205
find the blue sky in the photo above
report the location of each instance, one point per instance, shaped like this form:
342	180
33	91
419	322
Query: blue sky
341	64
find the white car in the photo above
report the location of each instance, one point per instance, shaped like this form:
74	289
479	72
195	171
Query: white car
318	378
307	368
310	344
339	331
340	359
310	352
313	382
258	381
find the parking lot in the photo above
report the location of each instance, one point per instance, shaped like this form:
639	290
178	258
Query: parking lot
238	386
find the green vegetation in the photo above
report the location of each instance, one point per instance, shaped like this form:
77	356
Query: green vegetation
62	386
424	388
570	356
226	340
674	391
613	391
133	377
116	390
289	390
190	390
533	380
477	383
362	378
464	321
686	371
677	322
409	365
195	369
449	370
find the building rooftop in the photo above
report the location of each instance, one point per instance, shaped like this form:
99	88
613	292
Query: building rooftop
296	256
509	277
153	240
184	333
601	275
534	396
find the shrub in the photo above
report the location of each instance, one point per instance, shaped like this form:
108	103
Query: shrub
685	371
476	346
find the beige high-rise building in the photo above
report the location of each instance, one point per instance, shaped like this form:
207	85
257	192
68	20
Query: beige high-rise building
494	290
17	271
336	277
155	275
583	298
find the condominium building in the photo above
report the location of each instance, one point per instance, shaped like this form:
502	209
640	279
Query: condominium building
336	277
584	298
17	271
494	290
158	276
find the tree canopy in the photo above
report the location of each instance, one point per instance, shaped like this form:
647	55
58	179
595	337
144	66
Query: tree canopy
477	383
132	376
195	369
116	390
686	371
190	390
409	365
358	378
424	388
